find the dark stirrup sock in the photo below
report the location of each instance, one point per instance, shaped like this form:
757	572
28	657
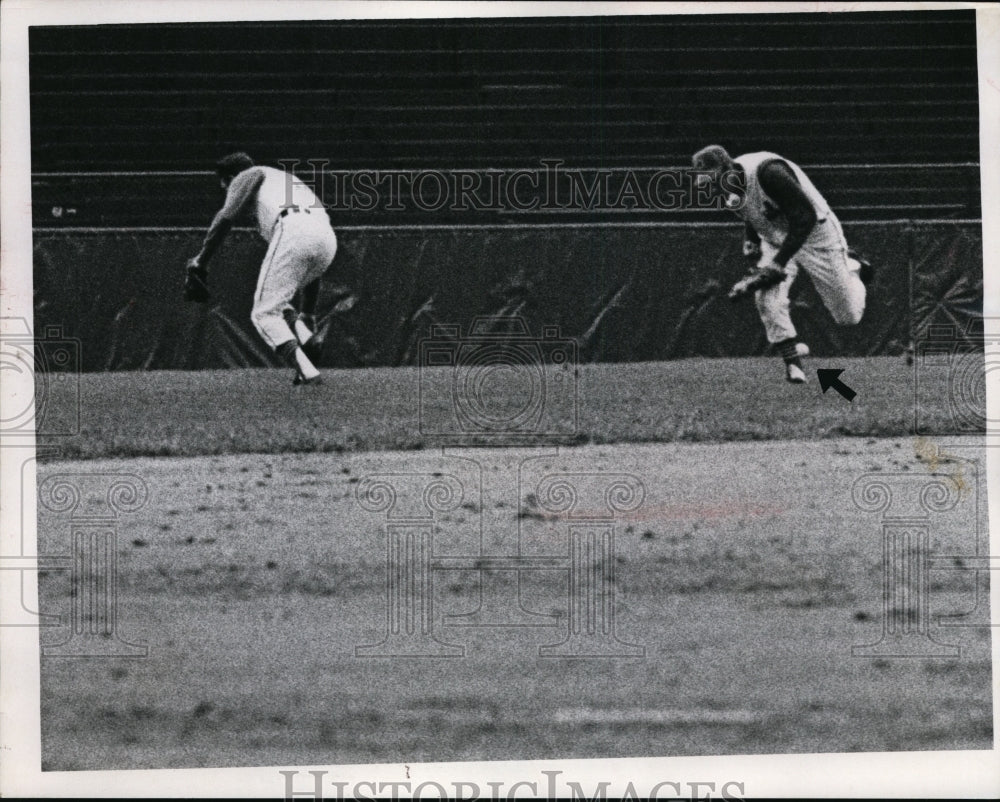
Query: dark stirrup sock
789	351
287	353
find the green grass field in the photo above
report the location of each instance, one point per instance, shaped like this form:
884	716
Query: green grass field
253	573
697	400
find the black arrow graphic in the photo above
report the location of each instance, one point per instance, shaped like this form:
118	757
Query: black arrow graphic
828	378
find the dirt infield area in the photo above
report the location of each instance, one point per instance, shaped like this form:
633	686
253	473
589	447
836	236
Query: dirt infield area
738	578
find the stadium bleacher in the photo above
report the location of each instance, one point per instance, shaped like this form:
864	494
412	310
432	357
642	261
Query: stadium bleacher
882	109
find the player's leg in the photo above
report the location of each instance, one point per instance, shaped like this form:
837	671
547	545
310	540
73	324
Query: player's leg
322	250
304	323
838	282
775	313
280	277
836	275
774	309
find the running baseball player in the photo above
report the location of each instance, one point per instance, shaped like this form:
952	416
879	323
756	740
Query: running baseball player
301	246
788	225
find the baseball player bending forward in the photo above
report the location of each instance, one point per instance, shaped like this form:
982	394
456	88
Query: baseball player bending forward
301	246
788	225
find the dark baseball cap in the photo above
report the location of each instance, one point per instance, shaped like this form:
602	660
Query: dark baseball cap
233	164
711	157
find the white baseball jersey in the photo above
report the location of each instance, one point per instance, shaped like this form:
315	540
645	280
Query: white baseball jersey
762	212
278	191
823	255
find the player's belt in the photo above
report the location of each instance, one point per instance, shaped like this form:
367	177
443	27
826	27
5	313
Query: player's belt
289	209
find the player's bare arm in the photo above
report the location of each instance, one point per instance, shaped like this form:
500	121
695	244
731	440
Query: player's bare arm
240	189
240	192
779	182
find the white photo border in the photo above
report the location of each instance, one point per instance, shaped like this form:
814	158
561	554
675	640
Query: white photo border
904	774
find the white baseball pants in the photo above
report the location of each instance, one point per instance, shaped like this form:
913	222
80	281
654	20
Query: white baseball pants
301	249
835	276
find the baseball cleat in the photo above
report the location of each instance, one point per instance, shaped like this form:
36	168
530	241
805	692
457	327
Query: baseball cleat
794	374
801	349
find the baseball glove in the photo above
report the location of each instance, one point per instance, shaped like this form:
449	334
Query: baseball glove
757	279
196	284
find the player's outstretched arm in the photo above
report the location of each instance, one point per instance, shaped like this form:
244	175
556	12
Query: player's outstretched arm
781	185
241	190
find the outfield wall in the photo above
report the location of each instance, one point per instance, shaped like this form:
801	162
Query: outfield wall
625	293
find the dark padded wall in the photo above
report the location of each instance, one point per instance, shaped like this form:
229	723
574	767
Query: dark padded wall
623	293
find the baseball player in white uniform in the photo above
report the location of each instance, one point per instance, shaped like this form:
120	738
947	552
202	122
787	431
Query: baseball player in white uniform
788	225
301	246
